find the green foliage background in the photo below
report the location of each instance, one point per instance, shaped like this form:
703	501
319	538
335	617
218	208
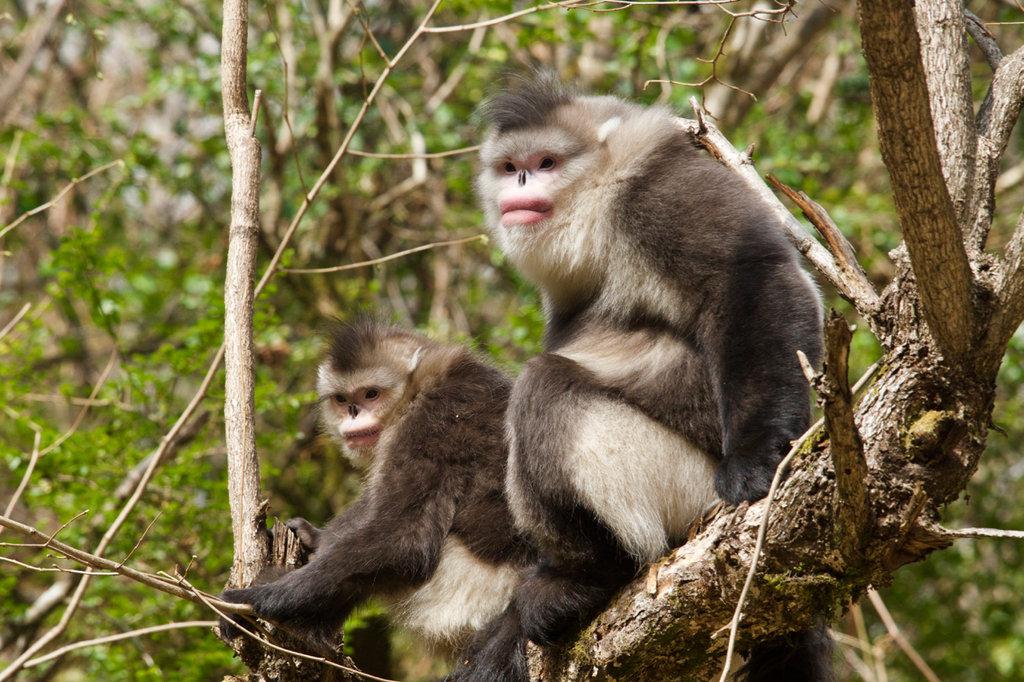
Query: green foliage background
129	265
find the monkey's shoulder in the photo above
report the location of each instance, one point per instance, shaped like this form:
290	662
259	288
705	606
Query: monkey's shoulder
458	412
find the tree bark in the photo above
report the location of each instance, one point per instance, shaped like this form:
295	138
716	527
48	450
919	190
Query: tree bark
248	516
899	92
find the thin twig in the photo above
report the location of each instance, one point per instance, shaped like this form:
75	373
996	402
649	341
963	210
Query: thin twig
96	562
964	533
17	318
499	20
377	261
116	638
435	155
901	640
763	529
41	569
28	474
81	415
141	538
39	209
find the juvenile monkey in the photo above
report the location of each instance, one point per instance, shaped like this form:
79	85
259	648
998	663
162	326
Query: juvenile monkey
431	533
675	305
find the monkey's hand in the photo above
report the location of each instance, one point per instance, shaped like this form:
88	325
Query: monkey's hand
308	534
746	478
293	603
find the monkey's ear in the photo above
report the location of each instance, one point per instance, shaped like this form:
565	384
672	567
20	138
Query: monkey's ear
607	127
414	361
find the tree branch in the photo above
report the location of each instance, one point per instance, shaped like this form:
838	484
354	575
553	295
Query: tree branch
899	93
983	38
842	251
996	119
247	511
851	507
940	25
97	562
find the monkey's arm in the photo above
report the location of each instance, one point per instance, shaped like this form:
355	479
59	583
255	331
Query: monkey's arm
764	399
381	543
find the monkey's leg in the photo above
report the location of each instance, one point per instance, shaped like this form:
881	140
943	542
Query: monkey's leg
597	485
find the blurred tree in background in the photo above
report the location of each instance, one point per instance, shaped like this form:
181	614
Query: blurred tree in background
115	287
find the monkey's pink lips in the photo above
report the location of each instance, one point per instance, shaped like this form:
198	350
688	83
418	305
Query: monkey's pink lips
524	211
362	439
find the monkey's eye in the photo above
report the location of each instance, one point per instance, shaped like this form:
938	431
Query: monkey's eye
372	393
510	168
547	163
339	398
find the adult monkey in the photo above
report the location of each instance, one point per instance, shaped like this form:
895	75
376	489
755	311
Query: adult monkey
675	305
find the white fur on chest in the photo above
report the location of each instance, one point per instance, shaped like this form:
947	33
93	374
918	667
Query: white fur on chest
460	598
644	481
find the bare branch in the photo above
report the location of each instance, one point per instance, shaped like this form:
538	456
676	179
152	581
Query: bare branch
940	25
899	93
846	258
851	508
436	155
965	533
901	640
247	512
383	259
116	638
15	320
983	38
996	119
1009	311
39	209
499	20
97	562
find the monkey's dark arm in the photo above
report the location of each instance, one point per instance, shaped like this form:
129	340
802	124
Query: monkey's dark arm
764	401
379	543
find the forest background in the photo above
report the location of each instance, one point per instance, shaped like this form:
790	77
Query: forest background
112	285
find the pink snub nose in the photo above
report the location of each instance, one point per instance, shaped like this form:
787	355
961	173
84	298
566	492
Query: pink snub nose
524	210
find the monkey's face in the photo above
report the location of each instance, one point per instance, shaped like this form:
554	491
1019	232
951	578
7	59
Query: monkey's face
358	407
359	415
537	187
525	196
